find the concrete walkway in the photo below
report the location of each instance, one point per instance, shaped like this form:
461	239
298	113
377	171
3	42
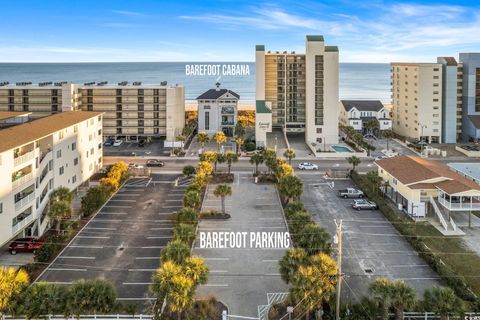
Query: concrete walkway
245	279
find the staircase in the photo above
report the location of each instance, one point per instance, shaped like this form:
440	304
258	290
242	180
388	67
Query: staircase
449	226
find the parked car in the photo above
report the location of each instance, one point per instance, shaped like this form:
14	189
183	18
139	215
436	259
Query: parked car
364	204
108	143
155	163
381	157
307	166
134	165
29	244
117	143
142	143
351	193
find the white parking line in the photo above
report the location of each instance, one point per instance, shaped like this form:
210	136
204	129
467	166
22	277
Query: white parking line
147	258
165	213
156	229
137	283
159	237
58	282
216	259
172	207
150	180
218	271
73	257
109	206
153	247
66	269
276	218
121	200
96	219
174	200
272	274
141	270
410	266
86	247
94	228
270	260
93	237
214	285
102	212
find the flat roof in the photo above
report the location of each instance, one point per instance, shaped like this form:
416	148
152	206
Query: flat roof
470	169
313	37
82	86
416	64
11	114
21	134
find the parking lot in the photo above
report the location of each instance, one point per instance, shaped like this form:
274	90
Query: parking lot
131	148
381	144
372	247
245	279
122	243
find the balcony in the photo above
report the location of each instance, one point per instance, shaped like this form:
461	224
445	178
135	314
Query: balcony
23	202
459	203
23	158
22	223
21	179
45	155
228	123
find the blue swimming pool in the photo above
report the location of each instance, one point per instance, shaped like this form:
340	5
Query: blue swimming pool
341	148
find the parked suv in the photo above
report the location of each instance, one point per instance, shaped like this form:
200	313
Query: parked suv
29	244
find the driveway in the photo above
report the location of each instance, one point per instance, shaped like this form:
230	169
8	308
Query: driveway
372	247
122	243
247	280
131	148
381	144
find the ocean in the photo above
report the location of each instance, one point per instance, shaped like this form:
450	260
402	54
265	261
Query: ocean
357	80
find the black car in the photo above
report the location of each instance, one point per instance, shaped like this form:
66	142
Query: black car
155	163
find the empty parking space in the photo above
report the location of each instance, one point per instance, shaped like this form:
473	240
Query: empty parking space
122	243
372	247
246	279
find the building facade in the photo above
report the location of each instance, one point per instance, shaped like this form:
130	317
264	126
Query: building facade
417	100
358	113
471	96
36	157
217	111
452	100
300	90
132	112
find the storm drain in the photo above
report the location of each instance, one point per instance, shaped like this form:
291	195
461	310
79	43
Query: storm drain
368	270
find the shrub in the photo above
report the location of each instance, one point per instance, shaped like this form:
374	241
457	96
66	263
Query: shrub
250	146
176	251
192	199
298	221
293	207
93	200
314	239
188	170
184	232
187	216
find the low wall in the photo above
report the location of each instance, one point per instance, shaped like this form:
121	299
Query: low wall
468	153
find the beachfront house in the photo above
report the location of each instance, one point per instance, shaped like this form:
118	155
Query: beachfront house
358	113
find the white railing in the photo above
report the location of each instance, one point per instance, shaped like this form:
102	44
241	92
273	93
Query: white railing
22	224
454	226
22	180
459	206
439	213
20	204
23	158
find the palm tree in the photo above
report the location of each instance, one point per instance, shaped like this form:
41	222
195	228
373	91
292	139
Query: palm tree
219	158
202	138
91	297
223	190
192	199
289	154
372	125
374	179
357	138
230	157
13	281
176	250
59	210
283	169
62	194
239	142
442	301
187	215
196	270
379	291
290	187
219	137
314	283
256	159
314	239
290	263
354	161
239	130
403	297
388	134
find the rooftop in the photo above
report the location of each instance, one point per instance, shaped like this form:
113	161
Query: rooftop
417	171
362	105
10	114
471	170
214	94
315	38
25	133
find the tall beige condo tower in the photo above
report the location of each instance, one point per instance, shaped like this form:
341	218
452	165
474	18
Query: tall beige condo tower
417	100
298	93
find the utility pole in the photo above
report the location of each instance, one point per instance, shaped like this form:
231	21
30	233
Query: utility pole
338	241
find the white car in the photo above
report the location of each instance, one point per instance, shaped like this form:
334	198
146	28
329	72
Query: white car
307	166
117	143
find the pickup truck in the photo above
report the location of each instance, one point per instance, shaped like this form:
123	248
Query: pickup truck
350	193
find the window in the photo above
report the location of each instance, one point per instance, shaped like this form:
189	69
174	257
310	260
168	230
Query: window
319	140
92	150
60	135
74	146
61	170
207	120
74	179
75	128
319	130
75	161
59	154
1	207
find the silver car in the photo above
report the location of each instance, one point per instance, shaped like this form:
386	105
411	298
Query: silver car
363	204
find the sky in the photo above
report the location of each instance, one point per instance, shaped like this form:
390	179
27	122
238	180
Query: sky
188	31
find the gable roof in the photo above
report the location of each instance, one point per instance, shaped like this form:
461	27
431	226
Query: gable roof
362	105
214	94
414	170
30	131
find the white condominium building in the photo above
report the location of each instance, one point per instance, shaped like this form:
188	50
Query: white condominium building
132	112
417	100
298	92
36	157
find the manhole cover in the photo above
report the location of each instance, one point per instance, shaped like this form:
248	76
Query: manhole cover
368	270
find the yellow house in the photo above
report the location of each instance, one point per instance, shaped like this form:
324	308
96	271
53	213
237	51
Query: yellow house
414	182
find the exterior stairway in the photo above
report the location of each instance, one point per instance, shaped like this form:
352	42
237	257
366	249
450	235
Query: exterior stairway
447	226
